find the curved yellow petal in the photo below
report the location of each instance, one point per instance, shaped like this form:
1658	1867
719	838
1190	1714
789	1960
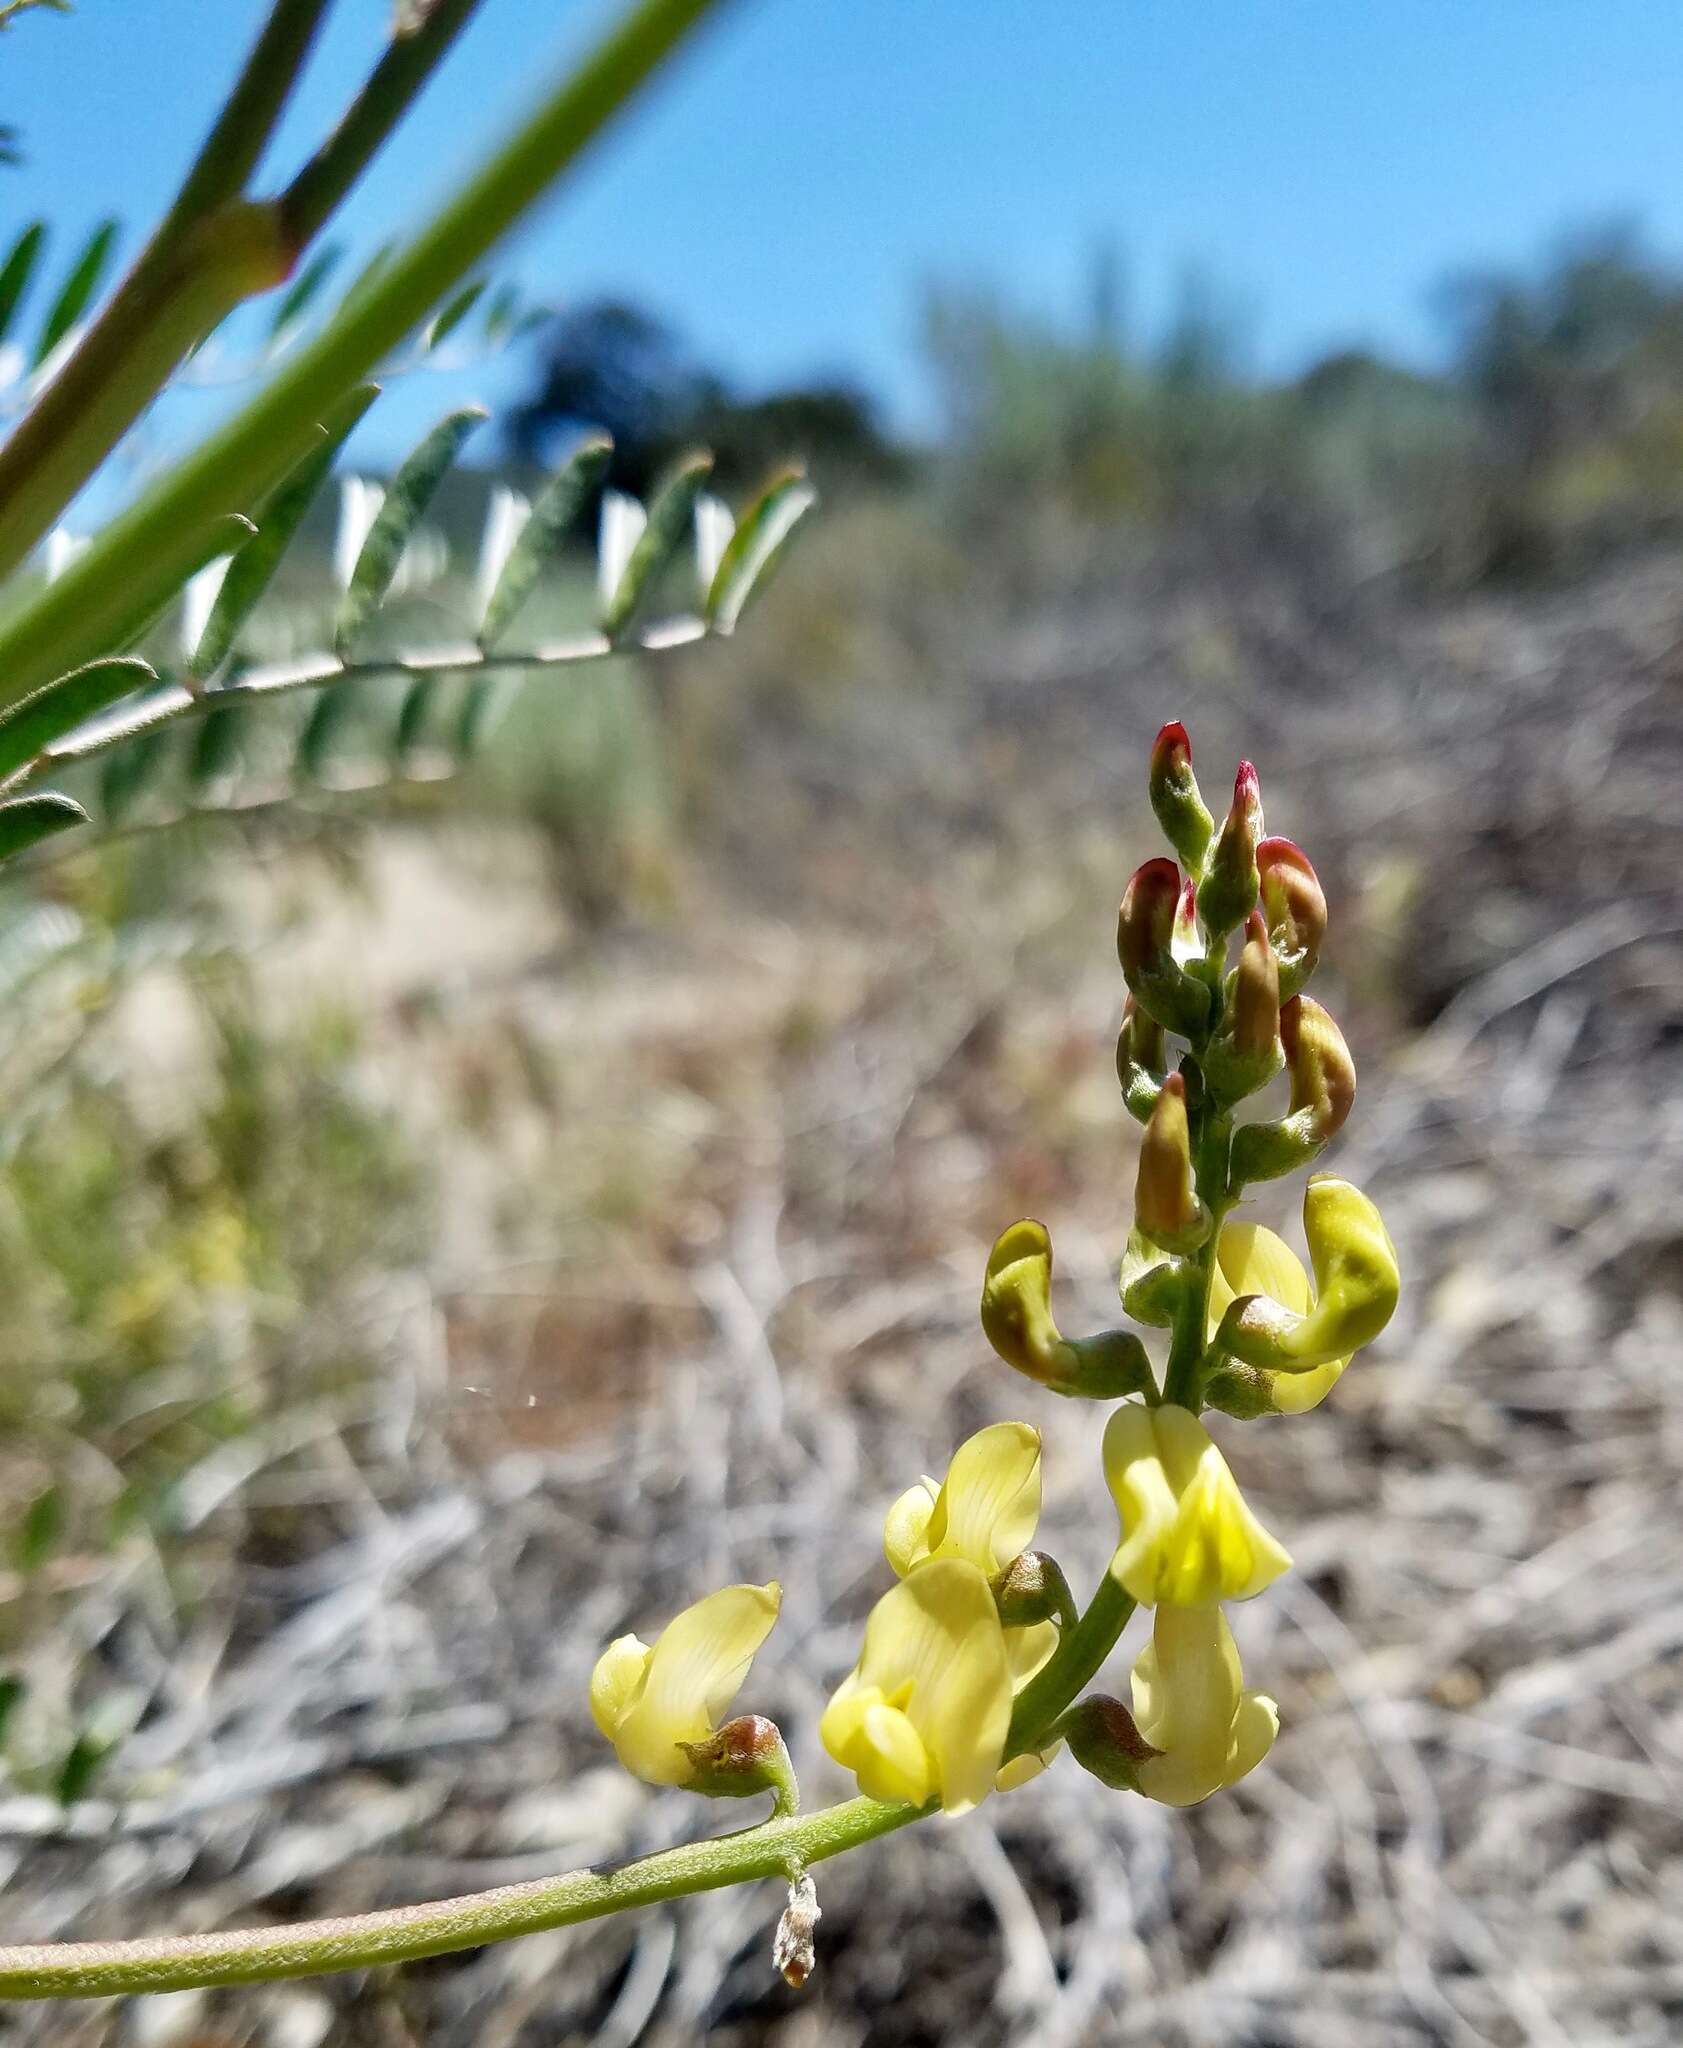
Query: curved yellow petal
989	1504
905	1534
1251	1259
617	1682
1188	1538
693	1672
1022	1770
1028	1649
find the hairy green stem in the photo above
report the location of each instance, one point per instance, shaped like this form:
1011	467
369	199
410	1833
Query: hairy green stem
777	1848
141	555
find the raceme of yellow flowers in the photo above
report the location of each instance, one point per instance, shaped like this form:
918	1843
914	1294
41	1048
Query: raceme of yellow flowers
958	1690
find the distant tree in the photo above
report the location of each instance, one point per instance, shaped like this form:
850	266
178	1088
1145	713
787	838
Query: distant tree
613	366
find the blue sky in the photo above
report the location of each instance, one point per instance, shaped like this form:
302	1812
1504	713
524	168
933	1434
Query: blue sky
787	195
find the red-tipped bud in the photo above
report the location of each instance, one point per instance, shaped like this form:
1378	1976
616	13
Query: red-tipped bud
1166	1204
1323	1075
1145	923
1145	934
1256	993
1295	906
1323	1090
1227	894
1174	796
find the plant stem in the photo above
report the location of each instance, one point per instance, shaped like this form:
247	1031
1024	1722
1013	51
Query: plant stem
1080	1652
203	260
405	65
100	1969
242	130
139	557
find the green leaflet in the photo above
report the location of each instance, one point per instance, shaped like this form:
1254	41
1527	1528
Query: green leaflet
557	507
756	546
26	820
453	313
407	498
78	288
18	269
670	517
252	569
302	293
59	707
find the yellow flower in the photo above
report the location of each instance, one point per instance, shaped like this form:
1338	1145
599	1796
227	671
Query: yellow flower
985	1511
1188	1539
1303	1337
649	1701
925	1712
1190	1703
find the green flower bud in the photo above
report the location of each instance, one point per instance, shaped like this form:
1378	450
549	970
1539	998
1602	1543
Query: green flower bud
1246	1054
1141	1057
1017	1322
1227	894
1323	1090
1031	1589
1166	1204
1356	1286
1295	907
1145	931
1186	824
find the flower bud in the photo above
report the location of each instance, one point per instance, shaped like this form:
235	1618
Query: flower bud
1295	907
1356	1286
1186	823
1017	1322
1152	1283
1032	1588
1188	1538
1323	1090
1186	943
1246	1054
1141	1057
1227	894
1145	934
1104	1739
1166	1204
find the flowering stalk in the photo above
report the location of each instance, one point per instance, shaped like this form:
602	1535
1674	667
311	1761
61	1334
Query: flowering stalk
974	1663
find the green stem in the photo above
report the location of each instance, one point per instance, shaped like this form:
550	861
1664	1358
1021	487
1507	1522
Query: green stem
100	1969
1072	1665
406	64
209	253
139	557
242	130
